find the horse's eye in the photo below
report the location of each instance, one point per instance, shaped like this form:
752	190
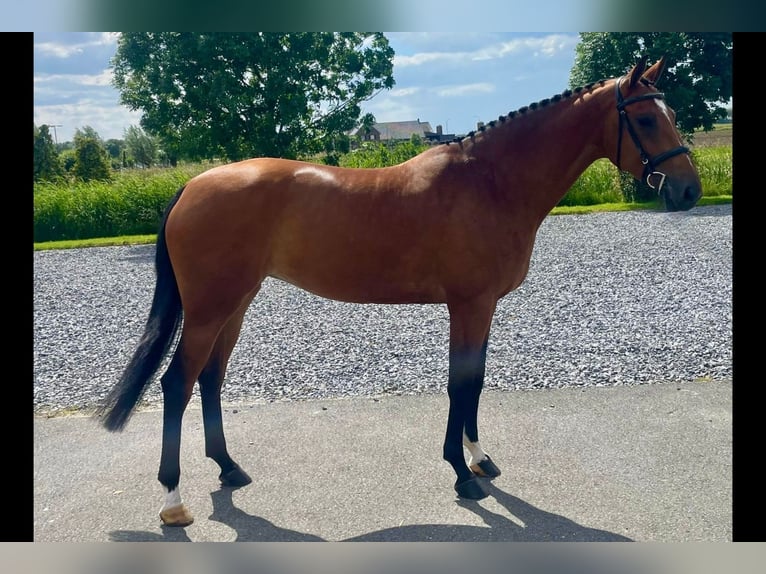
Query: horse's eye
646	121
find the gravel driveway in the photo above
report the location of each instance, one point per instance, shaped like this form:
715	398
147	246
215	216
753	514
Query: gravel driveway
610	299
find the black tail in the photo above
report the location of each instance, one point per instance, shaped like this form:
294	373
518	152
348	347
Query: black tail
159	333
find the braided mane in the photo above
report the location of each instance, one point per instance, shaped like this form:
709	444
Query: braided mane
529	108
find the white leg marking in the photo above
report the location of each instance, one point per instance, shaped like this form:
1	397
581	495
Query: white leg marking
173	511
475	450
172	498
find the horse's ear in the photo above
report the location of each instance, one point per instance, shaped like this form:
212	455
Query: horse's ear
637	71
654	73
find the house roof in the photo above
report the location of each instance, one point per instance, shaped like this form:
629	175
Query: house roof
399	130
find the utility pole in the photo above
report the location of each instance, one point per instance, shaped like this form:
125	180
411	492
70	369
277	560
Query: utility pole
55	135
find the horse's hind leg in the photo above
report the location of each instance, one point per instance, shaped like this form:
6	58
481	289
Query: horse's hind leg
211	381
177	384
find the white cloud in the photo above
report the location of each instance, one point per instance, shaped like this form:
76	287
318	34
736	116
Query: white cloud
105	117
68	80
553	45
66	50
404	92
427	58
465	89
58	50
545	46
537	46
391	110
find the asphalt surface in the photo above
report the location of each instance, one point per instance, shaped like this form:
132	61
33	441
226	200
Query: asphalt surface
643	463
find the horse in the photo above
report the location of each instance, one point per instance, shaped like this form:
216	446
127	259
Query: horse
453	225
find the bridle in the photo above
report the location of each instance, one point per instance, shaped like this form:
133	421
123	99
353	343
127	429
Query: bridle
650	163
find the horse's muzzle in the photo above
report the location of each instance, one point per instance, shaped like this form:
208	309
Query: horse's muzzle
680	196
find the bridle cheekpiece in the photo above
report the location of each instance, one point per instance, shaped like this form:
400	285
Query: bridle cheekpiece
650	163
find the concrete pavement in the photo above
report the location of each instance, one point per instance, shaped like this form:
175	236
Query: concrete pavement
645	463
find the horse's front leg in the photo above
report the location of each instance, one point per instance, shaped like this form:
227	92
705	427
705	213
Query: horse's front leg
479	462
469	332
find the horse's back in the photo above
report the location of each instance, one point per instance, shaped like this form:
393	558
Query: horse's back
409	233
349	234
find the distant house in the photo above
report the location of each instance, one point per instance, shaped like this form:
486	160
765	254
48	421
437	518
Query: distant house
439	136
392	132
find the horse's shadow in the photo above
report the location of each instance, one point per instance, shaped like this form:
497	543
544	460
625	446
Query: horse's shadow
536	526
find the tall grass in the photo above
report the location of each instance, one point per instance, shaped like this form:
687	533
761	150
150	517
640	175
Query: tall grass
372	154
133	203
715	166
600	183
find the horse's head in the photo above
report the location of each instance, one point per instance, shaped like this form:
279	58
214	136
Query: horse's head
646	140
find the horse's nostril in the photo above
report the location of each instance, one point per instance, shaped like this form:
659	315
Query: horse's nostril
692	193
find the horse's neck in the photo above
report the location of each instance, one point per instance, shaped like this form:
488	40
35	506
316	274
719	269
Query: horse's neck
538	156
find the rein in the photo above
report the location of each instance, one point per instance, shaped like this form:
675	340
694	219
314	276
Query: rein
650	163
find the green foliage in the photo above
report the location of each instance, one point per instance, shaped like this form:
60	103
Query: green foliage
634	190
716	168
47	163
334	148
67	159
130	205
240	95
698	78
114	148
91	158
372	154
600	183
142	148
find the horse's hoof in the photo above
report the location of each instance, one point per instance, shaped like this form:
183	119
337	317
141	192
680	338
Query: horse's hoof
235	477
176	516
486	468
470	489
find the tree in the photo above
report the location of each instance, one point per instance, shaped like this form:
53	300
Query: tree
47	163
697	81
114	148
91	158
238	95
68	158
142	147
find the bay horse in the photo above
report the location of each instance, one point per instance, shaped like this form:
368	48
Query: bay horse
454	225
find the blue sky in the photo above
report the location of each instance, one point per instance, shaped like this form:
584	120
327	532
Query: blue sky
450	79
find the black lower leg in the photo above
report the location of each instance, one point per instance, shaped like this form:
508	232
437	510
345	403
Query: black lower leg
466	484
215	441
174	404
472	401
485	467
453	442
463	395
